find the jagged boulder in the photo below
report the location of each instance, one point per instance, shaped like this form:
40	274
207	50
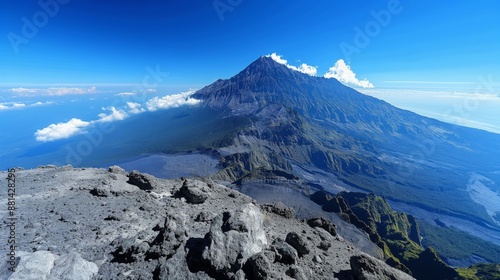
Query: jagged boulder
73	266
279	208
296	272
324	224
285	253
128	250
297	242
170	237
144	181
258	267
46	265
117	170
234	237
365	267
100	191
195	191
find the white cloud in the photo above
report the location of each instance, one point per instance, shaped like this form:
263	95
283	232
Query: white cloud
53	91
115	115
304	68
14	105
344	74
75	126
23	90
41	103
277	58
61	130
68	91
135	108
171	101
127	93
308	69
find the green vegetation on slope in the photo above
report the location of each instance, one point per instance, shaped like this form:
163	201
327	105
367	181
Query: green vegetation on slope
396	233
480	272
456	244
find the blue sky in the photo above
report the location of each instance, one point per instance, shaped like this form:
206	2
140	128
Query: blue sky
84	42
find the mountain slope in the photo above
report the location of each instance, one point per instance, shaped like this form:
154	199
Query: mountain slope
367	143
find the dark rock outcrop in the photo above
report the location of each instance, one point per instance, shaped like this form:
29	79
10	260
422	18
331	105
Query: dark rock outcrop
365	267
117	170
298	243
97	191
285	253
258	267
296	272
195	192
279	208
144	181
324	224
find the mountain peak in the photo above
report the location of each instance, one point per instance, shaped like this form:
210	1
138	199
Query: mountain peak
265	64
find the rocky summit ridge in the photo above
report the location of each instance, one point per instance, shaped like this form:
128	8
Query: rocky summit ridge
87	223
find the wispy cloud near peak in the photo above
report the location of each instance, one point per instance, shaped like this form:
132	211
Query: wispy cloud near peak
303	68
343	72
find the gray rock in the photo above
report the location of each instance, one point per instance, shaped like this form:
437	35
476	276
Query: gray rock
324	245
324	224
128	250
144	181
365	267
117	170
67	167
285	253
170	237
234	237
258	267
195	191
101	192
317	259
73	267
280	209
239	275
34	266
296	272
48	166
203	217
298	243
45	265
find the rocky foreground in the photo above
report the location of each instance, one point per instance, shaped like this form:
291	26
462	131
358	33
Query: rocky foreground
108	224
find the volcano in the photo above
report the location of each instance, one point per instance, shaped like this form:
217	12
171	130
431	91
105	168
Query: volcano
270	120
